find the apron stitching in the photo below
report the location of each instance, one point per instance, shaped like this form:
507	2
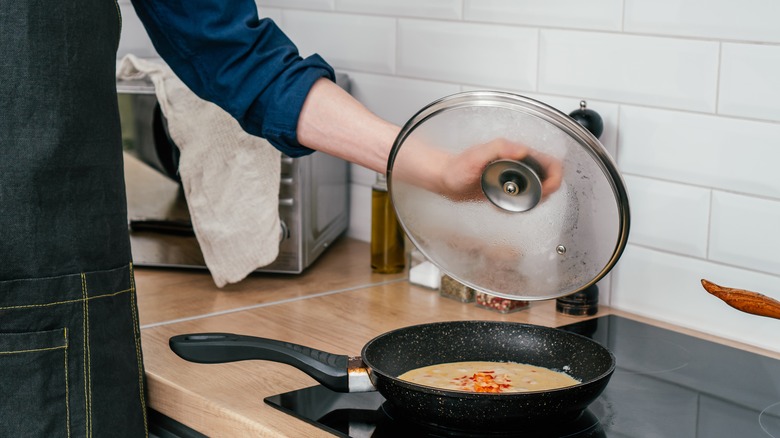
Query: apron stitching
136	331
67	392
87	356
67	388
28	306
34	350
87	371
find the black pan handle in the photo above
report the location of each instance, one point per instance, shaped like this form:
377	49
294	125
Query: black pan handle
331	370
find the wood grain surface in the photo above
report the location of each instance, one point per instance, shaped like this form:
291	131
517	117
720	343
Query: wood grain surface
337	306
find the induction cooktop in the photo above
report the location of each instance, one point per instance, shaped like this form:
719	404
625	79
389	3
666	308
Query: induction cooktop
666	384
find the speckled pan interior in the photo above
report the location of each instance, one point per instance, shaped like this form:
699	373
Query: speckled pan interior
396	352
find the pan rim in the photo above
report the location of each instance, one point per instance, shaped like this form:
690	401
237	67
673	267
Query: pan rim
485	395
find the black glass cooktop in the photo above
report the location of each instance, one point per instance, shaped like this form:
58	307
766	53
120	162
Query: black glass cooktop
666	384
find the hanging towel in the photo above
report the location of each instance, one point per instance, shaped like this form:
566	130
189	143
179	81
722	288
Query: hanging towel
230	178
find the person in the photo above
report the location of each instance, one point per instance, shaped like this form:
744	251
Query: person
70	348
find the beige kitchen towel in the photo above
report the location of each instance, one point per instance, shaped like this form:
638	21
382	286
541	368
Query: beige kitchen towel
230	178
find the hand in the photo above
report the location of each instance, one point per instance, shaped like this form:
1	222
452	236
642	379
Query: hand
459	176
463	172
335	123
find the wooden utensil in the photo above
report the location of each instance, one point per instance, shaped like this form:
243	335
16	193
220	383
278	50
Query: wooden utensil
746	301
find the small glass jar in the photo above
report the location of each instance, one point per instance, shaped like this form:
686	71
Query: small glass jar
453	289
498	304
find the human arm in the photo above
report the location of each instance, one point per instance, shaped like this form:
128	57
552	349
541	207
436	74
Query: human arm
335	123
229	56
247	66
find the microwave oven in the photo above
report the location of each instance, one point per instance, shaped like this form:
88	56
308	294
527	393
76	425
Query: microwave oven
313	194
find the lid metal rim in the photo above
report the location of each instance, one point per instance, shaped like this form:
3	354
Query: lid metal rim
549	114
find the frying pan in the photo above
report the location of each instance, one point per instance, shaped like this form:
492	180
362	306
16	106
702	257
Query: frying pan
387	356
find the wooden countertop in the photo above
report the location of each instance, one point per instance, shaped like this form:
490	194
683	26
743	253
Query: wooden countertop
336	306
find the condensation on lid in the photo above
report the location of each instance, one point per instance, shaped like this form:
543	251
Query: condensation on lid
567	241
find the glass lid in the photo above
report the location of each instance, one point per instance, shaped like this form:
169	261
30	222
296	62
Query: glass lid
508	195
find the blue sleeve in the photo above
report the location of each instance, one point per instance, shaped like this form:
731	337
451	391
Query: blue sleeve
227	55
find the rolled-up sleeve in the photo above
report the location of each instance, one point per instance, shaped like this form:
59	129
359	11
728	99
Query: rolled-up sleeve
244	64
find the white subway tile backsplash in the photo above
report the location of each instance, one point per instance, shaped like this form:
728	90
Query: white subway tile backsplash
272	13
750	81
594	14
397	99
633	69
359	212
607	111
352	42
668	288
729	154
746	20
479	54
325	5
688	91
133	39
745	232
361	175
669	216
447	9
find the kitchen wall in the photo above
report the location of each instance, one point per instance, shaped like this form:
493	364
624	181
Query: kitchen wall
689	91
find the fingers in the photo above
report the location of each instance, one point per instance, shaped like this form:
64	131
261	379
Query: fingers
504	149
553	173
462	173
498	149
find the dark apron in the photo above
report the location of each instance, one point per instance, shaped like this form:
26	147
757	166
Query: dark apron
70	352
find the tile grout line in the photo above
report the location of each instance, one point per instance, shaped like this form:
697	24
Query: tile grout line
271	303
704	259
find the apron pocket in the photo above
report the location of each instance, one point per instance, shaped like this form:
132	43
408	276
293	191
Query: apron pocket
34	384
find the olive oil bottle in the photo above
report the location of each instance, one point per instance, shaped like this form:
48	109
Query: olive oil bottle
387	237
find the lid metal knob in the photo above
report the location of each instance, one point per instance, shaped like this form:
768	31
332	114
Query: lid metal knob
512	185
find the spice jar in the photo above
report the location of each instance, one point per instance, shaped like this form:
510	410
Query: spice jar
498	304
451	288
387	236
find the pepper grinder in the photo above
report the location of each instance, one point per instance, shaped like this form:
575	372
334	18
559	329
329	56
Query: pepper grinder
588	118
586	301
582	303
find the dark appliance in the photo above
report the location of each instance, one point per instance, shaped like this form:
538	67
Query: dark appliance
666	384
